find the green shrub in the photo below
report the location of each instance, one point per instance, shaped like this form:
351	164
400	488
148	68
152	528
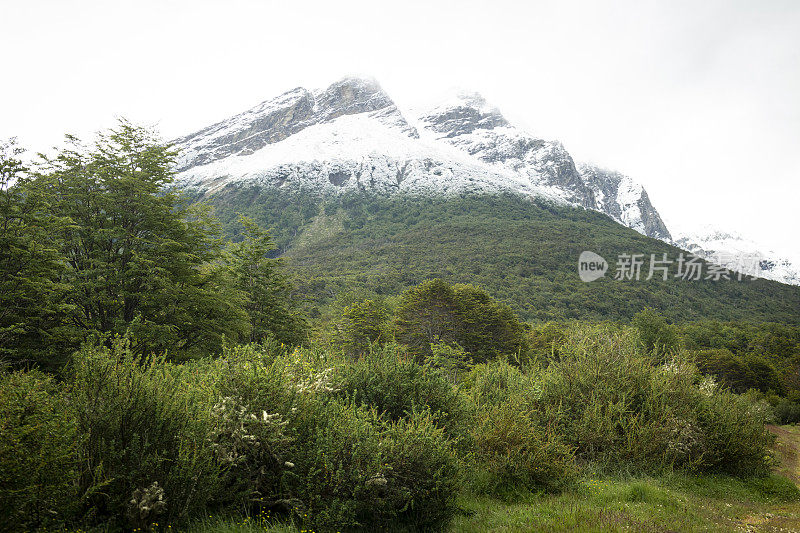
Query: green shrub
38	470
362	324
355	471
423	472
145	438
435	312
787	412
396	386
545	340
725	367
514	453
449	361
623	410
655	334
734	438
494	382
600	391
254	405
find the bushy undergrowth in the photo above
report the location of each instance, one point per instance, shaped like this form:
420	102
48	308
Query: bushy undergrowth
515	452
395	385
38	468
623	410
145	454
326	442
516	449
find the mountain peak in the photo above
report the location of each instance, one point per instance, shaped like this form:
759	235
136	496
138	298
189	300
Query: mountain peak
461	113
277	119
349	96
351	136
467	98
624	200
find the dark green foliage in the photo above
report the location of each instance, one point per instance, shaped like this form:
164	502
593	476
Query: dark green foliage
764	375
339	451
137	257
544	340
726	367
396	386
269	305
787	412
739	373
284	215
249	435
734	440
655	333
516	453
423	472
515	446
380	442
329	464
31	304
747	355
38	467
141	425
495	382
781	340
362	324
522	251
621	409
97	244
436	312
355	471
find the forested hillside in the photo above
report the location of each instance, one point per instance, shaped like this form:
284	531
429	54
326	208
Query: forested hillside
524	251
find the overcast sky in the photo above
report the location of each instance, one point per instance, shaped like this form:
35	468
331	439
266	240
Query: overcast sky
697	100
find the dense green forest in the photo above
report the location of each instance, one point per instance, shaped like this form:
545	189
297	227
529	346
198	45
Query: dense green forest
93	247
350	363
523	251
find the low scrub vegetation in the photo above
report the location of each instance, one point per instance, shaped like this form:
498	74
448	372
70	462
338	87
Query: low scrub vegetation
325	441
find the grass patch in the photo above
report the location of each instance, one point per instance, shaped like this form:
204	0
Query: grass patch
670	503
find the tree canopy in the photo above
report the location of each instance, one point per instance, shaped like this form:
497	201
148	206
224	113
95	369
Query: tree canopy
97	244
436	312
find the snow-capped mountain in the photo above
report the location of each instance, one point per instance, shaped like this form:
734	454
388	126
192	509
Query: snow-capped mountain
739	254
352	136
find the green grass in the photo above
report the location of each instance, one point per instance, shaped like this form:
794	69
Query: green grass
241	525
677	503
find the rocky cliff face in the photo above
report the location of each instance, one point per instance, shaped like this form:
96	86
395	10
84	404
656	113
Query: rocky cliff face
623	200
472	125
351	136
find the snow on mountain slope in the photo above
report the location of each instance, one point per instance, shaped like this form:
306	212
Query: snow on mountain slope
469	123
358	152
739	254
275	120
351	136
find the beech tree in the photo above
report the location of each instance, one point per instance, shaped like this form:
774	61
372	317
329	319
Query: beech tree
267	291
30	265
138	257
435	312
